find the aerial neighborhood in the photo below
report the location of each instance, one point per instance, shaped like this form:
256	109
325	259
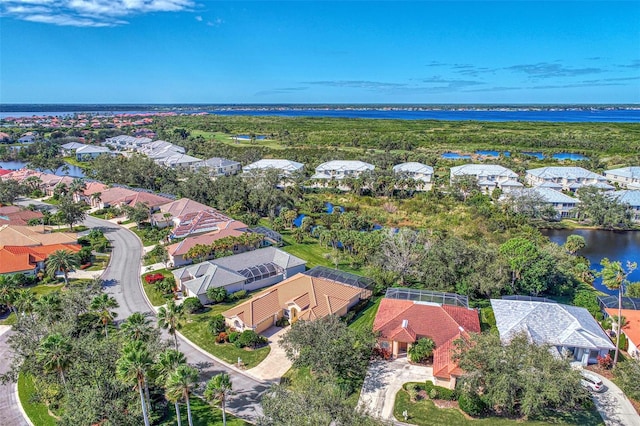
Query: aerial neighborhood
414	287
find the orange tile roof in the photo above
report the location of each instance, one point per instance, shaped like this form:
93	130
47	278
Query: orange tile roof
15	259
632	327
321	296
443	365
151	200
14	215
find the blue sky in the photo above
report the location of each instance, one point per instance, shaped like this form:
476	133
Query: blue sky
189	51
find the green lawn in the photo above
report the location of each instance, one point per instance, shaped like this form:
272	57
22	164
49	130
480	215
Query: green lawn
148	235
424	412
99	263
155	297
364	319
202	413
197	330
37	412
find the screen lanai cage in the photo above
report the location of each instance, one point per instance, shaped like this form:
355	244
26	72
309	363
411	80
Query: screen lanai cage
363	283
260	272
611	302
427	296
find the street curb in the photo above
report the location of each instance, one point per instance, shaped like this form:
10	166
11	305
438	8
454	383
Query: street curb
24	413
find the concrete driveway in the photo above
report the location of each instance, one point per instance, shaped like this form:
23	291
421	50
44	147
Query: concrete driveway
614	406
276	363
384	379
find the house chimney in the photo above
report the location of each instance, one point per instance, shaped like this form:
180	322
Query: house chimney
405	323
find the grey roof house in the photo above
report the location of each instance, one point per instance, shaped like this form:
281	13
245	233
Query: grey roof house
249	271
626	177
569	330
218	166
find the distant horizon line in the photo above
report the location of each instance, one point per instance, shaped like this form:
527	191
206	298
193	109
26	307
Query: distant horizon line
317	104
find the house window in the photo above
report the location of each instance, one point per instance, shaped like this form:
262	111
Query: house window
385	344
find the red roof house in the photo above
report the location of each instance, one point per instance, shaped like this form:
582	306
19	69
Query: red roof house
400	323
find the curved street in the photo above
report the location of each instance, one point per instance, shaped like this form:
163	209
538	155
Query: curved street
122	281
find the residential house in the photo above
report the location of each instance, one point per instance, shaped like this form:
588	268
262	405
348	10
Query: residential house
4	172
306	296
569	178
15	235
29	259
199	223
49	182
631	328
178	161
563	204
245	271
340	169
630	197
160	149
488	176
111	197
71	147
127	143
16	215
401	322
232	228
419	172
217	166
92	194
5	137
171	212
570	331
27	138
285	167
626	177
91	152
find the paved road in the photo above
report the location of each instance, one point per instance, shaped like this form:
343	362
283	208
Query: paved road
9	412
121	280
614	406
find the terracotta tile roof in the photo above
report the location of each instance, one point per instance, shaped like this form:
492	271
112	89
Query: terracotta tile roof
632	327
443	365
199	222
14	215
403	334
15	235
20	259
321	296
439	323
94	187
151	200
112	195
183	206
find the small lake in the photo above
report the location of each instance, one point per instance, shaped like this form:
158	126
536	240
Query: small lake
248	138
495	154
455	156
568	156
616	245
73	171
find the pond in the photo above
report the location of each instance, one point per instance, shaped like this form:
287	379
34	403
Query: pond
615	245
248	137
495	154
73	171
569	156
538	155
455	156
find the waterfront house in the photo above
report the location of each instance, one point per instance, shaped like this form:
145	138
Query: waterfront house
404	317
90	152
27	138
569	178
632	199
626	177
421	173
70	148
178	161
563	204
570	331
127	143
631	328
488	176
340	169
285	167
217	166
305	296
248	271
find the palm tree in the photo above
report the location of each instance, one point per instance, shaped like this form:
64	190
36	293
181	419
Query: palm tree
77	186
25	301
168	362
62	260
218	391
101	305
48	306
614	277
137	327
170	318
96	197
132	368
8	293
181	383
55	354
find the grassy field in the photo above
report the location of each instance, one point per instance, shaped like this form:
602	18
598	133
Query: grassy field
37	412
202	413
155	297
424	412
364	319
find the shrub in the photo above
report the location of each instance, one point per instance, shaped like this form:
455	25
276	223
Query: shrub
605	362
238	295
216	294
192	305
222	337
472	404
216	324
439	392
85	255
233	336
412	390
282	322
249	339
624	342
152	278
627	374
421	350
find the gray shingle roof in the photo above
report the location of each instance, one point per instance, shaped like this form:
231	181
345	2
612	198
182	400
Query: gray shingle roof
549	323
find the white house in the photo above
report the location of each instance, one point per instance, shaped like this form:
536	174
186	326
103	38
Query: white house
569	178
285	167
27	139
570	331
626	177
489	176
563	204
418	171
178	161
340	169
160	149
217	166
630	197
90	152
71	147
126	143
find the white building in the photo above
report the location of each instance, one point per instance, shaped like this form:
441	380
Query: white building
90	152
71	147
285	167
632	198
126	143
561	203
178	161
489	176
421	173
217	166
568	178
626	177
340	169
160	149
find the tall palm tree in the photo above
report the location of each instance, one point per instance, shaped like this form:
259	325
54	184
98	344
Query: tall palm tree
25	301
170	318
77	186
49	306
102	306
62	260
8	293
614	277
137	327
168	362
218	391
132	368
181	383
55	354
96	197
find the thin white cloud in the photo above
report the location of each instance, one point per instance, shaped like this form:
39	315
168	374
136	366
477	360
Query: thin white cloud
87	13
199	18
